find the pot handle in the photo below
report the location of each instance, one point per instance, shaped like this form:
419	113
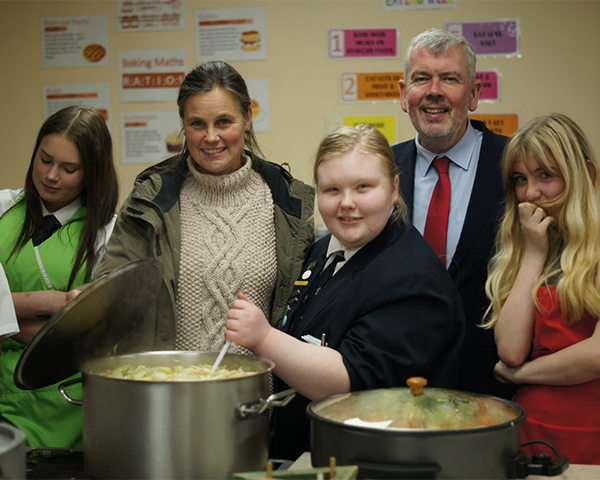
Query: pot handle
397	471
540	464
257	408
61	389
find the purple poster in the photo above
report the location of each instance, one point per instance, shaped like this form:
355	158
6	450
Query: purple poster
363	43
490	38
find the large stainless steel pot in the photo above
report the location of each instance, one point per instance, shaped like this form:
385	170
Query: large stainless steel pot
13	453
362	432
201	429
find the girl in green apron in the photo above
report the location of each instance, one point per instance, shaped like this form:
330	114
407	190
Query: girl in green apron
53	232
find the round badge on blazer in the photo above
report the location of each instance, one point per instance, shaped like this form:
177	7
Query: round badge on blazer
306	275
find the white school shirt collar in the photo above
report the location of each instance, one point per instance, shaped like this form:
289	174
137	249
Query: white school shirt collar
64	214
335	246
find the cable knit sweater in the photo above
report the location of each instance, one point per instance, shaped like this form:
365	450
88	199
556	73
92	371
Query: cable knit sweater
227	246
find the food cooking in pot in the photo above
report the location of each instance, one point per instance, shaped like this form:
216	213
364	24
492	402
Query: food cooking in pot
176	373
435	409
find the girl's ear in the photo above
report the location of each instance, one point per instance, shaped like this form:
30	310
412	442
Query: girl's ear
591	168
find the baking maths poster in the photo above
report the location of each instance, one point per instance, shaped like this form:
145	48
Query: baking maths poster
370	87
393	5
386	124
259	93
490	38
150	15
151	75
93	95
366	43
150	137
231	34
505	124
75	41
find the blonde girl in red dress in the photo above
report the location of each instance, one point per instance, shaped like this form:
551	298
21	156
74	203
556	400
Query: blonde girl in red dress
543	288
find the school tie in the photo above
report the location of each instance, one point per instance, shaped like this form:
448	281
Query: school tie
436	225
315	287
50	224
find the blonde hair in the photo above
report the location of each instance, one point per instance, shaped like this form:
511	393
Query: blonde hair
364	139
573	259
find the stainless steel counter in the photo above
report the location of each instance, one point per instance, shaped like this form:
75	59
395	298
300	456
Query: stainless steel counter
574	472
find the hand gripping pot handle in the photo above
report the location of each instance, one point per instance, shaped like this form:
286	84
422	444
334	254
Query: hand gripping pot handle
61	389
258	407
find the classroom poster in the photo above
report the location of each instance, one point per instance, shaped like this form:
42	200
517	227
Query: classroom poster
259	93
231	34
490	86
394	5
94	95
386	124
489	38
151	75
505	124
150	15
150	137
365	43
75	41
370	87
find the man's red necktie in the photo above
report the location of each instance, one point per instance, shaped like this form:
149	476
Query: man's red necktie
436	226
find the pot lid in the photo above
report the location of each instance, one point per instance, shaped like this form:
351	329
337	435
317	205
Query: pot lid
89	326
416	408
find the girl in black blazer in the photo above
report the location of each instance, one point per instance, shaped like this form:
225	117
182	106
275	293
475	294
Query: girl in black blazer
389	311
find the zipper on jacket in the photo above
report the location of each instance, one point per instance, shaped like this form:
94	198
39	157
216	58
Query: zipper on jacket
134	211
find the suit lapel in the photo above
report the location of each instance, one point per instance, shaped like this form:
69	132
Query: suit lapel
487	189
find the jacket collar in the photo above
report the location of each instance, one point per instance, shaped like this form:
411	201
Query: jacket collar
174	172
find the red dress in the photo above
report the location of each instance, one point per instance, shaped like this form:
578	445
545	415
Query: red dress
568	417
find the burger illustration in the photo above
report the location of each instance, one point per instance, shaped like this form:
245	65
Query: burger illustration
94	53
251	41
174	142
255	108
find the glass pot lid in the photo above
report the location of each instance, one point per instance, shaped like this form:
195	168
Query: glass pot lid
416	408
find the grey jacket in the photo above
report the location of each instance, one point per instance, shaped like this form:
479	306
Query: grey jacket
149	226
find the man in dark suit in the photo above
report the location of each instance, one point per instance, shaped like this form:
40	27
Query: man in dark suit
438	90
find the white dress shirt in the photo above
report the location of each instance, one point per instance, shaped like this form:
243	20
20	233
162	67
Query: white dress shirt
464	158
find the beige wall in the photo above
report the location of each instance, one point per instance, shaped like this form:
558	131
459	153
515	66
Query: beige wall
559	68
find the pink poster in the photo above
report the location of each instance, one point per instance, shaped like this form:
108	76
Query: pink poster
490	88
363	43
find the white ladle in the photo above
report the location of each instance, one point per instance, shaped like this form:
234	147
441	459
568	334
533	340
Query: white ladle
220	357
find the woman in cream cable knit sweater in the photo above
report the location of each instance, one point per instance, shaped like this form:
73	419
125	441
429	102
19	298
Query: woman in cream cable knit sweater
219	219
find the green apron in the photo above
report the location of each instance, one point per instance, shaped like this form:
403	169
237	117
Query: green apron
43	414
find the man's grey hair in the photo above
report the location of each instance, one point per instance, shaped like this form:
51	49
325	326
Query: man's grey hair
439	41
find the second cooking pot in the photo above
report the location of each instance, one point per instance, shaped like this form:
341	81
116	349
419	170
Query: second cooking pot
13	463
393	433
189	429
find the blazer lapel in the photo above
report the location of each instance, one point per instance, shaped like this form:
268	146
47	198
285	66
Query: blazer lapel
342	279
406	158
315	263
